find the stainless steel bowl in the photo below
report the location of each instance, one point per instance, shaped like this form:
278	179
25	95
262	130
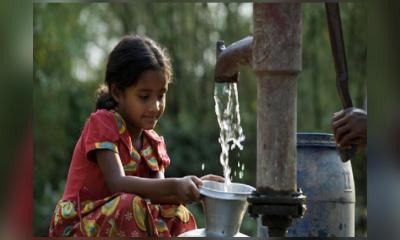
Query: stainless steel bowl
224	207
232	191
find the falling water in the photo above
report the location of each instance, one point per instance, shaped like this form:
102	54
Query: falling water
231	133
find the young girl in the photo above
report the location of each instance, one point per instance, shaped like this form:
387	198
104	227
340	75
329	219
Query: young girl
116	184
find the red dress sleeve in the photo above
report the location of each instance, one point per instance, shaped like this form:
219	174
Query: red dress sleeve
162	161
100	132
162	152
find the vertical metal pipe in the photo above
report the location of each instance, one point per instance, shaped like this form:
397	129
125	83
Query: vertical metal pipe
276	132
276	62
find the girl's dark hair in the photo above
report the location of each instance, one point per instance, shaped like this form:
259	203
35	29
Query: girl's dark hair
131	57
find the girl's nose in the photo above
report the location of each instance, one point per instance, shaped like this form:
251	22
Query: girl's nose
155	106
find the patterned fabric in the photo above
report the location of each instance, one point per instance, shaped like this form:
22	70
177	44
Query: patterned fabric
106	145
89	209
118	216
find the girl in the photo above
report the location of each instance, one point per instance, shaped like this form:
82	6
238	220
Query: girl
116	184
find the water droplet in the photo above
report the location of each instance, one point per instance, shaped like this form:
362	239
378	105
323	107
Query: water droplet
240	174
243	167
202	166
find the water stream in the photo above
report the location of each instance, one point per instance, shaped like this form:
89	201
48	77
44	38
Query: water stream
231	132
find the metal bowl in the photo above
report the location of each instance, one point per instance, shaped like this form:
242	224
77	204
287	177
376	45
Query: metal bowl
224	207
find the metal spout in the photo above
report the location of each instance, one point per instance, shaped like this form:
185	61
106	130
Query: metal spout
230	59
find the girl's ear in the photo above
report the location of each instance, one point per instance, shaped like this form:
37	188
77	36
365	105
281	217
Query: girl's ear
116	93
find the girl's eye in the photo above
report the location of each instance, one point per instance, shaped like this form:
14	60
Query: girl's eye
160	97
144	97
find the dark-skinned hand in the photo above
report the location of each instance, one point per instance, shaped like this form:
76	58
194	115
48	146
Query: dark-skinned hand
350	127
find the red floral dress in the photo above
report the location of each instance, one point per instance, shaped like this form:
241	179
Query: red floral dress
88	208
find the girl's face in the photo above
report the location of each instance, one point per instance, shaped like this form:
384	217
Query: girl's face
143	103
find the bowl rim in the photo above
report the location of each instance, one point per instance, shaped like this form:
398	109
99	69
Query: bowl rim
214	193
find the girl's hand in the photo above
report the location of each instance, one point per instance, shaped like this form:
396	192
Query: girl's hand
187	189
213	177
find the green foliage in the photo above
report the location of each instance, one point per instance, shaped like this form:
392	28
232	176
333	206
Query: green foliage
71	43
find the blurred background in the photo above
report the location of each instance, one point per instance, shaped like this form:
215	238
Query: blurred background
71	42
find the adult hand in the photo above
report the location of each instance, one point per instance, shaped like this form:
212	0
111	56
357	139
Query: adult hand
350	127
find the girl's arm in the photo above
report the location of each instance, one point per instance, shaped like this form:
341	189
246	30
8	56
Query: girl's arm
158	174
171	199
168	190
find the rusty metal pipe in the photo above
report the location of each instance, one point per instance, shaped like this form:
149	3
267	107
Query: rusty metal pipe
274	54
232	58
277	62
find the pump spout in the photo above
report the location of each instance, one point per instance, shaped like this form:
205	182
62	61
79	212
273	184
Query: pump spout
230	59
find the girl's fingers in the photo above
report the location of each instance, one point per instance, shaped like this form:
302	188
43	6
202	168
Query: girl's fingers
195	193
213	177
197	181
218	178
